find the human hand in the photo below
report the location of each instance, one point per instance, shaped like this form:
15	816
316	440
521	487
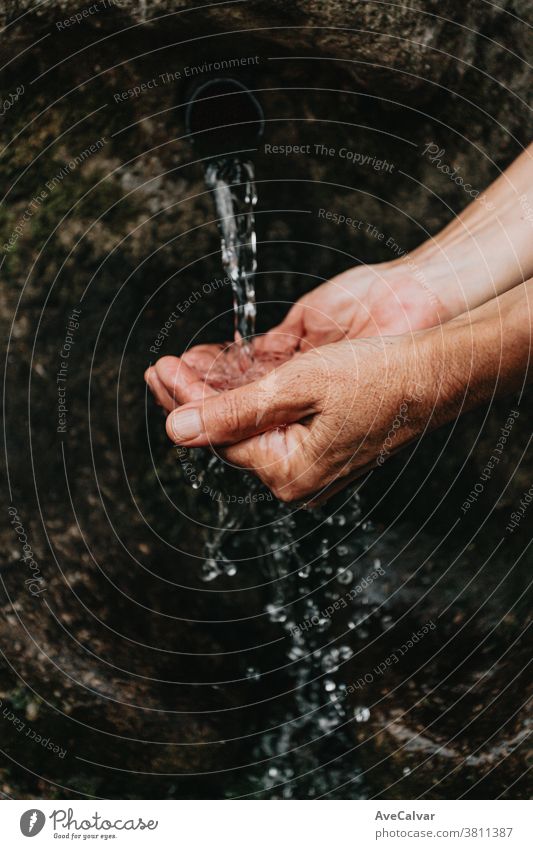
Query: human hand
482	253
326	416
366	301
386	299
312	424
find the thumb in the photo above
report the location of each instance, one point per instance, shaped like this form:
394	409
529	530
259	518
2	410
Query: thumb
281	397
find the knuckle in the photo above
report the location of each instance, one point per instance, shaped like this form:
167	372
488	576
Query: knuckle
287	495
295	478
266	479
288	492
306	485
277	492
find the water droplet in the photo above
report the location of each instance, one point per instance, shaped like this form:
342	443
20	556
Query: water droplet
345	652
344	576
361	714
210	570
276	614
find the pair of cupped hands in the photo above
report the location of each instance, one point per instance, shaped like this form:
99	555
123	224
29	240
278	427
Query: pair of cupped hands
349	391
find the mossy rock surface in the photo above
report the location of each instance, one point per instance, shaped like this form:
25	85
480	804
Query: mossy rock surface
123	231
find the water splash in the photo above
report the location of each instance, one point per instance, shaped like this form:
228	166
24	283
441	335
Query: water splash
303	559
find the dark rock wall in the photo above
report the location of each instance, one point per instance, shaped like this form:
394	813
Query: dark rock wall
123	235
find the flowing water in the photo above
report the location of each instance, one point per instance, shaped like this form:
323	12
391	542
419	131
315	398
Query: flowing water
315	607
304	560
232	183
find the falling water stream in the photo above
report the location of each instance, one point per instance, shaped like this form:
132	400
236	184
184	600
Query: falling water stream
305	560
232	183
316	602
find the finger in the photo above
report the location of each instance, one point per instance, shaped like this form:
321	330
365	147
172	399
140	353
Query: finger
342	481
285	336
280	340
278	399
159	392
327	492
218	365
202	357
182	382
280	458
287	461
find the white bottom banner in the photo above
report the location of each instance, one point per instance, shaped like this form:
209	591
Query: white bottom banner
310	825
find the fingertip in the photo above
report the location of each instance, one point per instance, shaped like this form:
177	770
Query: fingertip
279	340
179	379
184	426
202	357
167	368
160	394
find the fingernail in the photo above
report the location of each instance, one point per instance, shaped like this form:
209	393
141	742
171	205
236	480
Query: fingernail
186	425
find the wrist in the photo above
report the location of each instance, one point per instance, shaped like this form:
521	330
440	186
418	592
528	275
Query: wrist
477	356
449	275
469	264
422	288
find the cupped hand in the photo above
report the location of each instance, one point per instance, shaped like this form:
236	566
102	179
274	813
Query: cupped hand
367	301
313	423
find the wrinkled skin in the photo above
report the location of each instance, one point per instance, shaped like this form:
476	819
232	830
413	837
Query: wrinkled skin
325	378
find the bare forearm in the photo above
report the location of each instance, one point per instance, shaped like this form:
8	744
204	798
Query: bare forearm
481	355
488	248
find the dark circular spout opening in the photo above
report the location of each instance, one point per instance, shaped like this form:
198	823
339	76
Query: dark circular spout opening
223	115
